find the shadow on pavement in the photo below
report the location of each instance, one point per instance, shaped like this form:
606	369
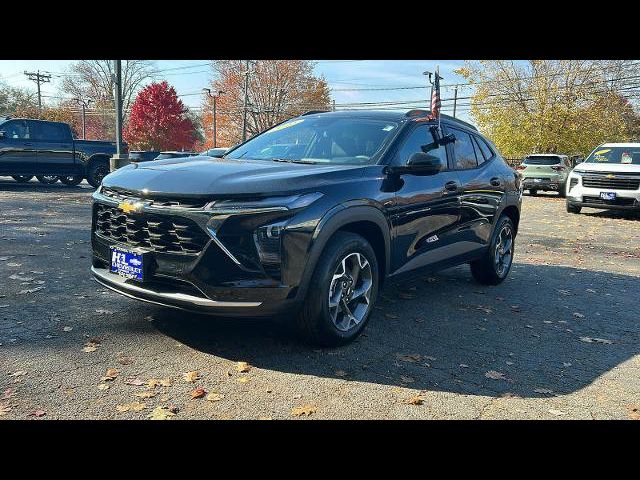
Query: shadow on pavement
10	185
452	332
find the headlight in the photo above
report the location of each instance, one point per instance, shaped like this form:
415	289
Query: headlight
269	204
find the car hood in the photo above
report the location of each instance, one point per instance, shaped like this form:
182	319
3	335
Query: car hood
607	167
206	176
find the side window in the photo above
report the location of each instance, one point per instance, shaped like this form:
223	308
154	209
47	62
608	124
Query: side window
419	137
52	132
484	148
465	155
16	130
479	155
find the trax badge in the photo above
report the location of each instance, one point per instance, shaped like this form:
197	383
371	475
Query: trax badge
128	207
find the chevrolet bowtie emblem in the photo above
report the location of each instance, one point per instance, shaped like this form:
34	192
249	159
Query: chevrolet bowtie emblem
611	176
129	207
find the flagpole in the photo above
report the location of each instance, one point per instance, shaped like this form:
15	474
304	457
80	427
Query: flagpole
438	80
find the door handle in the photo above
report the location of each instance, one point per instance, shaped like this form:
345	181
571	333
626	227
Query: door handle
495	181
451	187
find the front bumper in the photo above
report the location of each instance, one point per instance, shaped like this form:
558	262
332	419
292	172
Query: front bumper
581	196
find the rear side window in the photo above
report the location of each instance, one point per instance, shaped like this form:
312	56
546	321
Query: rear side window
483	147
464	151
16	130
542	160
53	132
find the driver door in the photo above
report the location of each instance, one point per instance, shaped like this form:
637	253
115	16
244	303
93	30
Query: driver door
17	148
426	209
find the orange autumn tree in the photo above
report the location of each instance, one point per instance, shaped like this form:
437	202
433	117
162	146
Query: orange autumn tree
278	89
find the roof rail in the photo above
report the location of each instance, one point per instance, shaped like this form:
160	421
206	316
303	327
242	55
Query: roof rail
311	112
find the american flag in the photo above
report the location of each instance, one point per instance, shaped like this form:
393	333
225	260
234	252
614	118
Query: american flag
435	98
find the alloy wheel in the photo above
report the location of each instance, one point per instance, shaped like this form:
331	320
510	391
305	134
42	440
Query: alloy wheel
504	251
350	291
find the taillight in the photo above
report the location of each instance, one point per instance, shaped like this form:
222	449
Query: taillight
558	168
521	167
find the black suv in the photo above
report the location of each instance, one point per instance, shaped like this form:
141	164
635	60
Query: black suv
307	219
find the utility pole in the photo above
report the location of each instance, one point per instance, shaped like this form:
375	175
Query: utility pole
84	116
38	78
215	99
246	102
119	159
455	100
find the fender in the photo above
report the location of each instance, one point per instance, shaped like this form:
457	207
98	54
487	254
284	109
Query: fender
336	218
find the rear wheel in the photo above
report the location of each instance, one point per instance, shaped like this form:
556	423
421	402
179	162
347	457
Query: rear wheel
71	180
573	208
562	190
533	192
495	265
47	179
344	287
22	178
96	172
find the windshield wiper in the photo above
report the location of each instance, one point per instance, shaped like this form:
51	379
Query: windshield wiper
290	160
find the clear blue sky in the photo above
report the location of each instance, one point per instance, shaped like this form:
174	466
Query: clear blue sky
346	78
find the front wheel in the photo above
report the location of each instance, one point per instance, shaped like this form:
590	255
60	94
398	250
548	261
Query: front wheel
71	180
533	192
47	179
96	172
495	265
22	178
573	208
344	287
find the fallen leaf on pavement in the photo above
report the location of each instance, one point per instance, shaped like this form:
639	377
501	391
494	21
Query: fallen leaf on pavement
305	410
411	357
243	379
133	406
146	394
634	412
486	310
161	413
4	409
103	386
494	375
38	413
90	347
111	375
134	381
8	393
29	290
578	315
191	376
18	373
415	400
67	329
557	413
198	393
544	391
215	397
243	367
125	360
104	312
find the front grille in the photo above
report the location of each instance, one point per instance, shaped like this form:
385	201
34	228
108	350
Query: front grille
155	200
617	183
618	201
160	233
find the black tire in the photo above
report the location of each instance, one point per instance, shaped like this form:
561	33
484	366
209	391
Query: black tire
533	192
489	270
22	178
98	169
562	190
315	322
47	179
71	180
573	208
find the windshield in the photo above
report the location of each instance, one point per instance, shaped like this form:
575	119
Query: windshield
541	160
622	155
319	140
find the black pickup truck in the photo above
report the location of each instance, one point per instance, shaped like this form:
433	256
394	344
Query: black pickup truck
47	149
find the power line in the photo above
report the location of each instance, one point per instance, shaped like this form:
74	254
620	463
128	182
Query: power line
38	78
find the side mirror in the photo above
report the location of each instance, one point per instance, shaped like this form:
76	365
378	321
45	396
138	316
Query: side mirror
419	163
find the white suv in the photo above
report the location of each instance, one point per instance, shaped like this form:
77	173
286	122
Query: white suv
609	178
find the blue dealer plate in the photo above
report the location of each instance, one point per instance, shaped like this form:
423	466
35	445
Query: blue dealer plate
127	264
608	195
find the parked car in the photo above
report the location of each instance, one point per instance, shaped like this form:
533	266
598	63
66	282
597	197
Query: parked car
37	147
311	234
166	155
215	152
546	172
143	155
609	178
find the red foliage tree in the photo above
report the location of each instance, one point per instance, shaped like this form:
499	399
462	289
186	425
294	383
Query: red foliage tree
159	121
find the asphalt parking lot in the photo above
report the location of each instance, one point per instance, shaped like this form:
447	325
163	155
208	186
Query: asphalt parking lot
559	339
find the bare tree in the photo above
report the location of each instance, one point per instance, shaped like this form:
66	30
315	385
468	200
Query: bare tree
94	79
